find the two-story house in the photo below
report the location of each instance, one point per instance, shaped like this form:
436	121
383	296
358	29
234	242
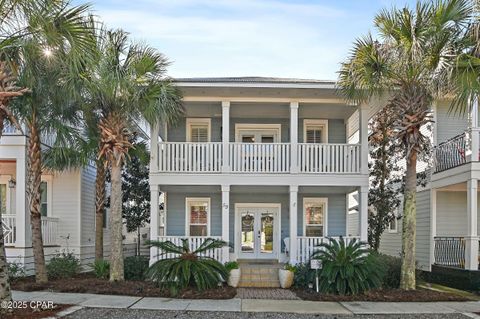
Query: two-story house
266	164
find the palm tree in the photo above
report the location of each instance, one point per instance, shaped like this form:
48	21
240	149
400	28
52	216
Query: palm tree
411	64
126	85
49	66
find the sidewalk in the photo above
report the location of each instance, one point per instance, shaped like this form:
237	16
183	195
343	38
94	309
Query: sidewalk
250	305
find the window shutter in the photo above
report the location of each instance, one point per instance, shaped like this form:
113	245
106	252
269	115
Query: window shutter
314	134
199	133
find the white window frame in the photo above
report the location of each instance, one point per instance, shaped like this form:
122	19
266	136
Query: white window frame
316	122
8	207
395	230
48	180
187	213
198	121
316	200
242	127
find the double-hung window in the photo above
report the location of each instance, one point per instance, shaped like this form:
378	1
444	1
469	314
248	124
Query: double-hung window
198	216
315	217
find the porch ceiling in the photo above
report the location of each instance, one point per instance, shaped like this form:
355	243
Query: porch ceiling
460	187
255	189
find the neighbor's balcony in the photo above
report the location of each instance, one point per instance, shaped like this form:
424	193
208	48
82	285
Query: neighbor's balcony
185	157
456	151
49	230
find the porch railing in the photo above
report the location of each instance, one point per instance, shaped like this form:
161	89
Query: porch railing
449	251
306	246
193	242
190	157
329	158
451	153
49	230
260	158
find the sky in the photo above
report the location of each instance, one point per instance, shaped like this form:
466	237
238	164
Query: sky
202	38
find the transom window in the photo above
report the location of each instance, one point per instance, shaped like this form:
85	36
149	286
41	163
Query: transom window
198	130
315	131
258	133
198	215
315	217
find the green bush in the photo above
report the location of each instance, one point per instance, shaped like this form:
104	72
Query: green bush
230	265
304	276
16	270
347	268
188	268
135	267
101	268
392	266
64	265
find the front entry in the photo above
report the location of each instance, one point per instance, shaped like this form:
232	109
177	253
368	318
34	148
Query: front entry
257	231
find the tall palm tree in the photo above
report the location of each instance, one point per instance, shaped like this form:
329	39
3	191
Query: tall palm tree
49	66
126	85
410	63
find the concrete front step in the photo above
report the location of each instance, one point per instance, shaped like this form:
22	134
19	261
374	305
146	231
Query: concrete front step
259	275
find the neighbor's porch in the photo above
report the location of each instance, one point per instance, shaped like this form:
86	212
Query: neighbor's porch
280	223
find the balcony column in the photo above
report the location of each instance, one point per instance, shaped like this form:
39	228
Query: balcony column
363	213
293	224
154	211
226	221
471	240
23	230
363	121
475	129
154	132
226	136
433	224
293	137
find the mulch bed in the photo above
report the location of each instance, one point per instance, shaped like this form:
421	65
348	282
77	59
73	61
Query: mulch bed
87	283
396	295
34	313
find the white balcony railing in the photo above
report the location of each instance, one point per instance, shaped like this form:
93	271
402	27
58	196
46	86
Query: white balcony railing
273	158
306	246
193	242
49	230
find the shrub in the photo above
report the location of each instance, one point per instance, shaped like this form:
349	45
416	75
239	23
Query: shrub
101	268
392	266
347	268
64	265
188	268
289	267
16	270
230	265
135	267
304	276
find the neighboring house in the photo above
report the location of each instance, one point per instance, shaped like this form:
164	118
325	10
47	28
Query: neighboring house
266	164
447	208
67	207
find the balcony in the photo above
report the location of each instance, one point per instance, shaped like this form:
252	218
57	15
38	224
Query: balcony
264	158
456	151
49	230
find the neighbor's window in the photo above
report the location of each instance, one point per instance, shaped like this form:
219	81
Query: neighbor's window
198	130
392	226
315	216
316	131
44	198
3	198
198	211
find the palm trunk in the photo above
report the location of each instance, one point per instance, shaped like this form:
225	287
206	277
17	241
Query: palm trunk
5	293
35	179
116	240
407	277
99	209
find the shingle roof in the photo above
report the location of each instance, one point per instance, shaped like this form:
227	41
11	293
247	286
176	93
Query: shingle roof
251	79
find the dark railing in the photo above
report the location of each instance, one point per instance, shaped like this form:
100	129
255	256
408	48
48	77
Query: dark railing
451	153
450	251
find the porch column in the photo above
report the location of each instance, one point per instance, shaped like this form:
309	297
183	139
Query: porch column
154	205
293	137
363	127
22	213
363	213
226	221
154	131
293	224
226	135
471	240
475	144
433	225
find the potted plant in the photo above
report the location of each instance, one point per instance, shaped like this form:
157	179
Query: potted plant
285	276
233	273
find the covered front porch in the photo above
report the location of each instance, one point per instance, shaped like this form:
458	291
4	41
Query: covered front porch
271	223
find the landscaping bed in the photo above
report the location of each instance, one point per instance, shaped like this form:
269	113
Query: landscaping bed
397	295
34	313
88	283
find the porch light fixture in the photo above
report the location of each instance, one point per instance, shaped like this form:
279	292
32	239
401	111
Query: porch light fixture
12	183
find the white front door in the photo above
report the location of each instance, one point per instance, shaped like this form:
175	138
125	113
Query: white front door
257	230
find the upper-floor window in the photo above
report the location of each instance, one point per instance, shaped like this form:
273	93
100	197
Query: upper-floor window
44	198
315	131
198	212
198	130
315	216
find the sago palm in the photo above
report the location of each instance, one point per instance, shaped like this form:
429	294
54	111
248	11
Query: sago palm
187	267
411	64
126	85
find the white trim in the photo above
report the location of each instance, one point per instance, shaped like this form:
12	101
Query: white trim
187	213
316	122
4	180
395	230
277	128
277	239
202	121
325	85
234	99
49	180
316	200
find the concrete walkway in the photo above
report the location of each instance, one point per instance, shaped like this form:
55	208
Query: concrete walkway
250	305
